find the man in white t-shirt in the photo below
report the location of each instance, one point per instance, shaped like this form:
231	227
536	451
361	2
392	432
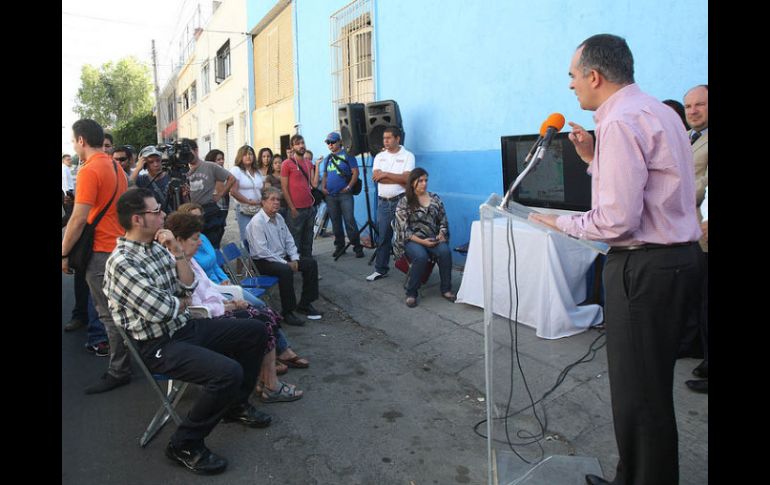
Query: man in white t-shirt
390	171
67	188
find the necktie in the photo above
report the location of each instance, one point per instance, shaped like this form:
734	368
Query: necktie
694	137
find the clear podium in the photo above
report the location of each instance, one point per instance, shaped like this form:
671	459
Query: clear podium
504	466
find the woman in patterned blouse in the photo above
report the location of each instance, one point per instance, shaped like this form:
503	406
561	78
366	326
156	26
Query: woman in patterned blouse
422	233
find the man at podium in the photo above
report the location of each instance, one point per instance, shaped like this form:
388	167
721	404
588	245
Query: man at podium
642	206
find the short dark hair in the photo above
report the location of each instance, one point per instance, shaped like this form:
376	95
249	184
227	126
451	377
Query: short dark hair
610	56
91	131
677	106
184	224
193	144
107	136
393	130
66	155
124	148
130	203
295	138
212	155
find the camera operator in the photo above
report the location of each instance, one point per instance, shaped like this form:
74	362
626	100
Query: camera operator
155	178
203	177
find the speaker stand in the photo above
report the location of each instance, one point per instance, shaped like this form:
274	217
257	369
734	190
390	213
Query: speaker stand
369	221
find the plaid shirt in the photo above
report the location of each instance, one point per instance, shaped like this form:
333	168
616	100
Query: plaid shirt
141	284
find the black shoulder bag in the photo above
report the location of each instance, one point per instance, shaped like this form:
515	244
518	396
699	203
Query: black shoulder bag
356	188
317	195
81	252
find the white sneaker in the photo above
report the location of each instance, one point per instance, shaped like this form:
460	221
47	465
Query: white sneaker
375	276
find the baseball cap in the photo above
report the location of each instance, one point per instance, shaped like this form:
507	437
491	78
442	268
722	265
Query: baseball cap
333	137
149	151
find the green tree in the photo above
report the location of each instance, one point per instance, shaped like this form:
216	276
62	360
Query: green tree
139	131
115	93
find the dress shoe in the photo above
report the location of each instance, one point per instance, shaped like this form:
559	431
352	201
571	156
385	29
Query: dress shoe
701	385
74	324
107	383
702	371
339	251
198	460
291	319
248	415
594	480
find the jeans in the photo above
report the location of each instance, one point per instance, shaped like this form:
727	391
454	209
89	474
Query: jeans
340	206
281	342
80	310
301	229
248	297
96	331
418	256
243	221
386	211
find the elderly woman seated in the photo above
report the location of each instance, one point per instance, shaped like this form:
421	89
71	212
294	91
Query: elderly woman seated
187	227
421	231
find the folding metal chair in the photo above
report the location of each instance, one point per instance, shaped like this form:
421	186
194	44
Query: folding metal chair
250	279
168	399
232	274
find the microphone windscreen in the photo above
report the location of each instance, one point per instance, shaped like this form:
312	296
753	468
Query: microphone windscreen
554	120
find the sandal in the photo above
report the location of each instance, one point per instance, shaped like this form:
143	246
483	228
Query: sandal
295	362
285	393
280	368
449	296
411	301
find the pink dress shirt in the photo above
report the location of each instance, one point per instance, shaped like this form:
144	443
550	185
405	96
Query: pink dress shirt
642	182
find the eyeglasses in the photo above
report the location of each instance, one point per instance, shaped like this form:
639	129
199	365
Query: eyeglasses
330	142
154	211
120	159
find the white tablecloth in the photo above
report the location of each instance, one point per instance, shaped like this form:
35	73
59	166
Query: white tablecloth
551	273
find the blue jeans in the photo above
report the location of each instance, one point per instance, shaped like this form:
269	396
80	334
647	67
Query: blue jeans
418	256
386	211
96	331
340	206
301	229
249	298
281	342
243	221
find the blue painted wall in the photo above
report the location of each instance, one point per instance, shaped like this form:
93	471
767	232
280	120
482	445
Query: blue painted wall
464	74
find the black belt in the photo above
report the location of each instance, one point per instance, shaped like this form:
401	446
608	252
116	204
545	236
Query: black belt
646	246
392	198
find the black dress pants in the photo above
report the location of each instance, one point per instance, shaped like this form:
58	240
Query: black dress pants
649	293
223	355
309	269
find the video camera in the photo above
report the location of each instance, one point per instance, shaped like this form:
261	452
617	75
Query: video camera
176	157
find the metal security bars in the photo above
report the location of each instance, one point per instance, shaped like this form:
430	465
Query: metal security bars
352	54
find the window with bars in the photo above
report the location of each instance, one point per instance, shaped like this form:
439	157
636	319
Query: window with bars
193	94
352	55
222	66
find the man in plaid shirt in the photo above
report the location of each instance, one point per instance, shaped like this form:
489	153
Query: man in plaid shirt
148	282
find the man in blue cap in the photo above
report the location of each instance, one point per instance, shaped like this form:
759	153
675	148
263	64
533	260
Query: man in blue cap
340	174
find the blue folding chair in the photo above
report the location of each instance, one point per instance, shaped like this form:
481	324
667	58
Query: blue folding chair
233	276
231	254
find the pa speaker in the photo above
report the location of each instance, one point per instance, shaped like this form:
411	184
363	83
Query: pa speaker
380	115
353	128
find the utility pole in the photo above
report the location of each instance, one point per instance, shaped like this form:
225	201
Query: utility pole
157	91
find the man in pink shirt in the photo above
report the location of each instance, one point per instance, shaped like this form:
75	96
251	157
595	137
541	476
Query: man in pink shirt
643	206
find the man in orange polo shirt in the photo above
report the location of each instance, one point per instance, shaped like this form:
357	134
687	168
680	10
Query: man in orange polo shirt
96	183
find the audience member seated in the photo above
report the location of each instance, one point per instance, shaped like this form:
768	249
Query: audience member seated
186	228
273	250
148	282
421	230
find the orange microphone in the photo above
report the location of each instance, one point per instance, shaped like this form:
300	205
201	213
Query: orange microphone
555	121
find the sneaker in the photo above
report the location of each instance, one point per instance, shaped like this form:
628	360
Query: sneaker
107	383
74	324
310	311
291	319
375	276
102	349
339	251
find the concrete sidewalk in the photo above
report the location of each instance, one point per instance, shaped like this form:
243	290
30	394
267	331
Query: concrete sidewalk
391	397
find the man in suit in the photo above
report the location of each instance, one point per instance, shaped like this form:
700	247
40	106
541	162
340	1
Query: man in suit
696	105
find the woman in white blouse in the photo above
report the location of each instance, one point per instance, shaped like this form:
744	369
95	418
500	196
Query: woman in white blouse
247	189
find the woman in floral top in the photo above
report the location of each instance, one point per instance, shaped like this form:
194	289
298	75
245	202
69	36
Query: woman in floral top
422	231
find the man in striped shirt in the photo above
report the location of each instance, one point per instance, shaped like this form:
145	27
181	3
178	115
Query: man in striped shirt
148	282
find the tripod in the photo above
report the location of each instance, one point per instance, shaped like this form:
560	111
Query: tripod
369	221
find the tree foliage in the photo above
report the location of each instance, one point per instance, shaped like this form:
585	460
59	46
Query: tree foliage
139	131
114	93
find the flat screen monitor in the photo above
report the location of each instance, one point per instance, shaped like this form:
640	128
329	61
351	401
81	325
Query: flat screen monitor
559	181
